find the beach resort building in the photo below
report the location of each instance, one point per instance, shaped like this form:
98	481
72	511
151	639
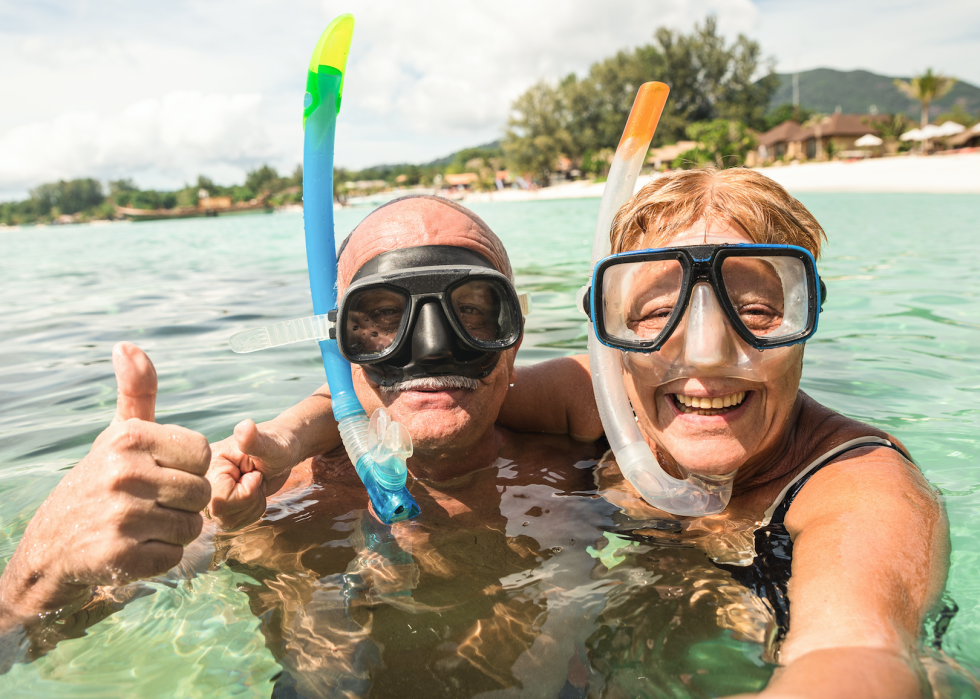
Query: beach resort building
816	140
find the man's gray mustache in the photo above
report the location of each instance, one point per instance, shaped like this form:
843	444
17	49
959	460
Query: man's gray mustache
433	383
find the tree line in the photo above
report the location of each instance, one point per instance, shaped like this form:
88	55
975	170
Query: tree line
716	96
87	199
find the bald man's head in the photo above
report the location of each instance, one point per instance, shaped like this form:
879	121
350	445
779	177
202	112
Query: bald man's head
419	220
446	413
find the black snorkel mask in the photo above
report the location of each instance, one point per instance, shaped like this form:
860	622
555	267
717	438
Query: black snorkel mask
432	310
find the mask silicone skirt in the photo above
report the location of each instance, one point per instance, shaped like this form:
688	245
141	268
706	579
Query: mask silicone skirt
432	310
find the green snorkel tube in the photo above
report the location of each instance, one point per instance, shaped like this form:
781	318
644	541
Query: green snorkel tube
380	447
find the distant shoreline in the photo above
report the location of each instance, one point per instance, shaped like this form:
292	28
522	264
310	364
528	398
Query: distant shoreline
934	174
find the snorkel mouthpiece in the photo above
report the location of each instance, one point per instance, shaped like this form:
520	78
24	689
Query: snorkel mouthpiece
380	447
693	495
389	447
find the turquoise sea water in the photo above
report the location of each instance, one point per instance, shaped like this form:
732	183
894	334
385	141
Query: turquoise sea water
898	347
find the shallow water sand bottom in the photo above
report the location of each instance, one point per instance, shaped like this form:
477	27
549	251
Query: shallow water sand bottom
897	347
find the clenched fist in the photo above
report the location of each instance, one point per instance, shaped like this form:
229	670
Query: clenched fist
125	512
245	469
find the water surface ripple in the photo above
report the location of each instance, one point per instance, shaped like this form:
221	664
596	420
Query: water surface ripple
898	347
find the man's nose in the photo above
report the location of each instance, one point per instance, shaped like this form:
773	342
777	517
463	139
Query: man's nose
432	339
707	342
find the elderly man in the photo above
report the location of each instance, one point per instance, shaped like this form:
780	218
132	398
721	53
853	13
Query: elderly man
441	573
141	488
447	395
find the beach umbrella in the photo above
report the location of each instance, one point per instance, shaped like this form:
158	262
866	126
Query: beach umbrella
913	135
930	131
868	140
950	128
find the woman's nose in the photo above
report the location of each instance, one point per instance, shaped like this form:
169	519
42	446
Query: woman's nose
707	342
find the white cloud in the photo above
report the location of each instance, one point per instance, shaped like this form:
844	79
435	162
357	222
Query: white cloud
884	36
418	67
174	138
425	77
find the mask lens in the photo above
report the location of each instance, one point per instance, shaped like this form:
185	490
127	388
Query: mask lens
640	298
374	317
769	294
483	312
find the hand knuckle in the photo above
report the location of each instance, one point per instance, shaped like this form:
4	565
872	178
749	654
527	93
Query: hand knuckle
202	452
128	435
195	527
121	514
116	479
187	527
201	495
122	478
121	561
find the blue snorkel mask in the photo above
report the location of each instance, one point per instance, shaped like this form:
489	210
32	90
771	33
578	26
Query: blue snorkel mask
724	310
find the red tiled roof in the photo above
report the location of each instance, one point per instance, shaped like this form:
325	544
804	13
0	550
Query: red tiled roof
783	133
838	124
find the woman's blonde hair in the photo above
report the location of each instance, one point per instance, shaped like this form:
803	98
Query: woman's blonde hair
676	201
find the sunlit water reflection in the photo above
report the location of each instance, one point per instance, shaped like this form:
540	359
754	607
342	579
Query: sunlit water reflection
898	346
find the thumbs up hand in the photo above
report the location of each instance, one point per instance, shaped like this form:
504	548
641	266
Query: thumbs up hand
245	469
123	513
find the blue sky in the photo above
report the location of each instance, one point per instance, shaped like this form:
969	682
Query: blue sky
164	91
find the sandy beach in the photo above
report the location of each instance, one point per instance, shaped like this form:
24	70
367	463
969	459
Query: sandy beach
949	174
935	174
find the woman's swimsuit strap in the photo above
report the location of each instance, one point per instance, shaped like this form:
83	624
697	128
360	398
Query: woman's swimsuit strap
776	512
768	574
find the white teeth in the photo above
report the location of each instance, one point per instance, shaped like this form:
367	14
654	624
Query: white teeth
699	405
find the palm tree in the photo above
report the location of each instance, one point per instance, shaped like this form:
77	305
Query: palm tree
925	88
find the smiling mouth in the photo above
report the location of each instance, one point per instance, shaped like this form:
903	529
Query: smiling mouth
717	405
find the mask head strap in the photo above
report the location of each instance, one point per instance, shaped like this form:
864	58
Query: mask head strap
421	256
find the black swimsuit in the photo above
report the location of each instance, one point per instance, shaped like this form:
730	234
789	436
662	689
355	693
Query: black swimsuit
768	574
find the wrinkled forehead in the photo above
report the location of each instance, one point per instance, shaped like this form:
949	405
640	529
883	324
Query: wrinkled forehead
415	223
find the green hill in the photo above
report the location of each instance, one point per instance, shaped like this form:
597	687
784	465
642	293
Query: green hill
855	91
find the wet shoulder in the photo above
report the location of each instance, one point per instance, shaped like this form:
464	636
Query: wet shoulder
815	436
867	479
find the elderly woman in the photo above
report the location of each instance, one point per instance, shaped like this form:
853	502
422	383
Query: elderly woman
841	528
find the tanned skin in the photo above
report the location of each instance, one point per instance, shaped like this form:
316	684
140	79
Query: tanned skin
125	512
871	539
